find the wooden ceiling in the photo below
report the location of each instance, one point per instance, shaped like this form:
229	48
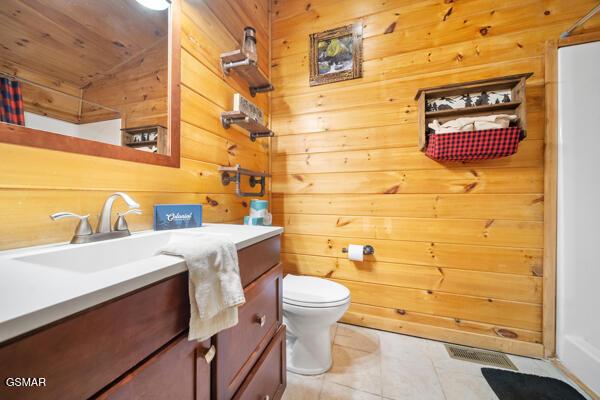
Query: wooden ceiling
76	41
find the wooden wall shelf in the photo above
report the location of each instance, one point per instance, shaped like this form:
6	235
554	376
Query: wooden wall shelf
473	110
237	61
134	137
255	128
235	173
513	85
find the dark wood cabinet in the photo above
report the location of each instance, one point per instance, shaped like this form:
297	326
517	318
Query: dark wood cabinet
258	259
239	347
136	347
85	352
267	379
178	371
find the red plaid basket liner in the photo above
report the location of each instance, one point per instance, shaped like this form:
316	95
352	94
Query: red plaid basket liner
474	145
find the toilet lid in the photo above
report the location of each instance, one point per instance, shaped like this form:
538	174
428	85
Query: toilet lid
309	291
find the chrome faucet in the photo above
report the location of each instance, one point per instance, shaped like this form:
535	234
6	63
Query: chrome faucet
104	221
104	231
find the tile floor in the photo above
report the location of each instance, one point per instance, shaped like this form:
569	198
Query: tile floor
371	365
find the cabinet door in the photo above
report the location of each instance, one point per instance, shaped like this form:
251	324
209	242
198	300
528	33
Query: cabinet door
179	371
267	380
257	259
239	347
88	351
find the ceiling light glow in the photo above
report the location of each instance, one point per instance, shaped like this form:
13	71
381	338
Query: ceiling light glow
157	5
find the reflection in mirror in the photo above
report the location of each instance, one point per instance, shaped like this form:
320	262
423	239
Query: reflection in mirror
97	70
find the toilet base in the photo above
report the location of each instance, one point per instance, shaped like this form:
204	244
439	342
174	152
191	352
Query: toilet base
310	372
310	354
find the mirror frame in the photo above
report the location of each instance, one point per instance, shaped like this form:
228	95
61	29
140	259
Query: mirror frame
21	135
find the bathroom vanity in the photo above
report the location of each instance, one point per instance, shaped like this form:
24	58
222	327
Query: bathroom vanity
122	333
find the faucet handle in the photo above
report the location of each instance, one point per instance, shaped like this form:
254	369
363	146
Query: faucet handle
83	228
66	214
121	223
132	211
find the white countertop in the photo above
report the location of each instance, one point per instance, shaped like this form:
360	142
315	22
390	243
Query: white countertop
33	295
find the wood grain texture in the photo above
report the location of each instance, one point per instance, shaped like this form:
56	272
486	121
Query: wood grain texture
137	89
85	352
482	309
526	207
168	374
268	378
235	358
36	182
165	108
81	42
489	232
550	192
114	52
453	242
509	260
468	282
453	330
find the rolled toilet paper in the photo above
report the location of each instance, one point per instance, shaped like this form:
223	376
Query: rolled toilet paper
355	252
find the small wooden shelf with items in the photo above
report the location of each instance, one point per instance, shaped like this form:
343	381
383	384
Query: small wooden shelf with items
237	61
245	62
151	138
441	107
247	116
472	110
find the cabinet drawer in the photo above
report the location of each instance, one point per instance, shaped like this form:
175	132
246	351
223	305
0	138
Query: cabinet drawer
267	379
258	259
239	347
82	354
179	371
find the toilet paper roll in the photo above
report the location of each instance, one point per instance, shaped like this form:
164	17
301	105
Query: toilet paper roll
355	252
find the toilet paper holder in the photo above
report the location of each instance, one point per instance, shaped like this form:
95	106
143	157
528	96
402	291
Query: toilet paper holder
368	250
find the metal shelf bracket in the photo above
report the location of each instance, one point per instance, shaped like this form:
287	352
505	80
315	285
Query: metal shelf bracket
256	129
234	174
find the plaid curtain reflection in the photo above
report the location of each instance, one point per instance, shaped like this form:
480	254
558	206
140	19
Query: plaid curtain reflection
12	110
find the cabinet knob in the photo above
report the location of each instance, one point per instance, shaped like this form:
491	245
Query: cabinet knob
267	397
261	320
209	354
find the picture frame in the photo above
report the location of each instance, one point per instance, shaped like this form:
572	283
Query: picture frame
336	55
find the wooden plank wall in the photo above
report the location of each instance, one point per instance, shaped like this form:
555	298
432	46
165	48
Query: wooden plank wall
35	182
61	101
138	89
458	247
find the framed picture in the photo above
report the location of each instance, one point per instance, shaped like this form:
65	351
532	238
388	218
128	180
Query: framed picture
336	55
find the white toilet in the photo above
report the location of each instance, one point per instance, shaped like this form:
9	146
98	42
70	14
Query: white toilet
310	307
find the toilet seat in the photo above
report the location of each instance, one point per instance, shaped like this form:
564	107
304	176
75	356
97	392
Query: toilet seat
312	292
317	305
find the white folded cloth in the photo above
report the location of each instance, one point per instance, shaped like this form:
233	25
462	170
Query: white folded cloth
473	123
215	286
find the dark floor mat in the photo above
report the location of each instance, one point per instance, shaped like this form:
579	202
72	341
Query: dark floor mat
510	385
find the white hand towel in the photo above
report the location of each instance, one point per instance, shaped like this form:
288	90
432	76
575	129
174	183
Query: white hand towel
473	123
214	282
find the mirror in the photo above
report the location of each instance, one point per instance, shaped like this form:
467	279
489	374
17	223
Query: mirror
94	77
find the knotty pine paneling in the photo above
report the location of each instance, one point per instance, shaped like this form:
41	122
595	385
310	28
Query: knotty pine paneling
527	207
35	182
137	89
523	288
455	180
489	232
458	246
509	260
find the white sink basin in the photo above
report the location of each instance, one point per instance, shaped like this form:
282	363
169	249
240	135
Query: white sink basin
108	254
41	285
